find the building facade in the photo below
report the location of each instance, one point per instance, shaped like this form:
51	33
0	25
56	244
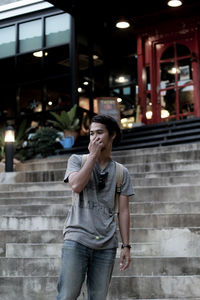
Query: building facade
50	60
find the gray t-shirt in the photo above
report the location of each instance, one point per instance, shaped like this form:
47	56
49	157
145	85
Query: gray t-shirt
91	219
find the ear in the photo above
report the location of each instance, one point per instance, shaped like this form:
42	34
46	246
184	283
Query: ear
113	136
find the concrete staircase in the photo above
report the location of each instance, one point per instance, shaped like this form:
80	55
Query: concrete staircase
165	226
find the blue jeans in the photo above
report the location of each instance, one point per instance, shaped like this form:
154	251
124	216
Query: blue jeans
79	261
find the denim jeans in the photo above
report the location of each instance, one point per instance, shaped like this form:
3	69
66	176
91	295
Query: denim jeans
79	261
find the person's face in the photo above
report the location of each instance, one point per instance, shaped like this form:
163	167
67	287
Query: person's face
98	130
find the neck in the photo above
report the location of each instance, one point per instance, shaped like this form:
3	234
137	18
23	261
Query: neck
104	158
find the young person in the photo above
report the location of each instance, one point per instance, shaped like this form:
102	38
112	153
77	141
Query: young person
90	231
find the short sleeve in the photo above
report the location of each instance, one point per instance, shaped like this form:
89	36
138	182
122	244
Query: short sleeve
73	165
127	185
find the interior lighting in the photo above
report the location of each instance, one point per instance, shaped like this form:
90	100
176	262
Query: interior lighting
85	82
50	103
80	89
122	24
149	115
121	79
174	71
164	113
174	3
39	53
119	100
95	56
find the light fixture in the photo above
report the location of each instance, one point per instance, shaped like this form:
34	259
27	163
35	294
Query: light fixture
121	79
122	24
174	71
149	115
164	113
95	56
40	53
9	148
119	100
50	103
80	89
85	82
174	3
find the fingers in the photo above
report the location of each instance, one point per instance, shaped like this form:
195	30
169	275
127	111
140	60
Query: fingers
95	144
125	260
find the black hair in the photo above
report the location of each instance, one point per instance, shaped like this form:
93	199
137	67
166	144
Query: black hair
111	125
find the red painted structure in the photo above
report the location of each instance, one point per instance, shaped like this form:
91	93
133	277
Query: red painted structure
169	71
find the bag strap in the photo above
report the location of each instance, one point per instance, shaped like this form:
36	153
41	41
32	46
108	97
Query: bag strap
119	180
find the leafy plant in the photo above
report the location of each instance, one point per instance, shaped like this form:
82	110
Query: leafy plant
66	120
43	142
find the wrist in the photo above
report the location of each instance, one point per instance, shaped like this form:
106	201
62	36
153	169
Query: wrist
126	246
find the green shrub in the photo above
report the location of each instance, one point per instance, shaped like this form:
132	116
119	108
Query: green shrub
43	143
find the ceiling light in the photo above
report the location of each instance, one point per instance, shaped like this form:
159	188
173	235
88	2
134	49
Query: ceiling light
121	79
95	56
85	82
174	71
80	89
40	54
122	24
174	3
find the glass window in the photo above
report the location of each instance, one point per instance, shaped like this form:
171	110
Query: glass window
30	99
56	61
168	72
148	83
30	36
149	112
7	41
182	50
168	102
185	71
29	68
57	30
186	99
58	94
168	53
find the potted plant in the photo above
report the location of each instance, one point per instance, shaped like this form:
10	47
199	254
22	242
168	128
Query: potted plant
68	122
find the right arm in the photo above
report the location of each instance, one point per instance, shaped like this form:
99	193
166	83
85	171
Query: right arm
78	180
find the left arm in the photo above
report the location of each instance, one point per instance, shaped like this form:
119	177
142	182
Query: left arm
124	227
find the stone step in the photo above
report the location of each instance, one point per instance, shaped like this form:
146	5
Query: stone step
54	176
122	288
144	266
187	173
60	207
184	245
36	186
34	194
158	157
165	242
164	167
137	221
168	237
183	193
184	151
167	181
32	209
151	287
56	171
127	158
40	200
